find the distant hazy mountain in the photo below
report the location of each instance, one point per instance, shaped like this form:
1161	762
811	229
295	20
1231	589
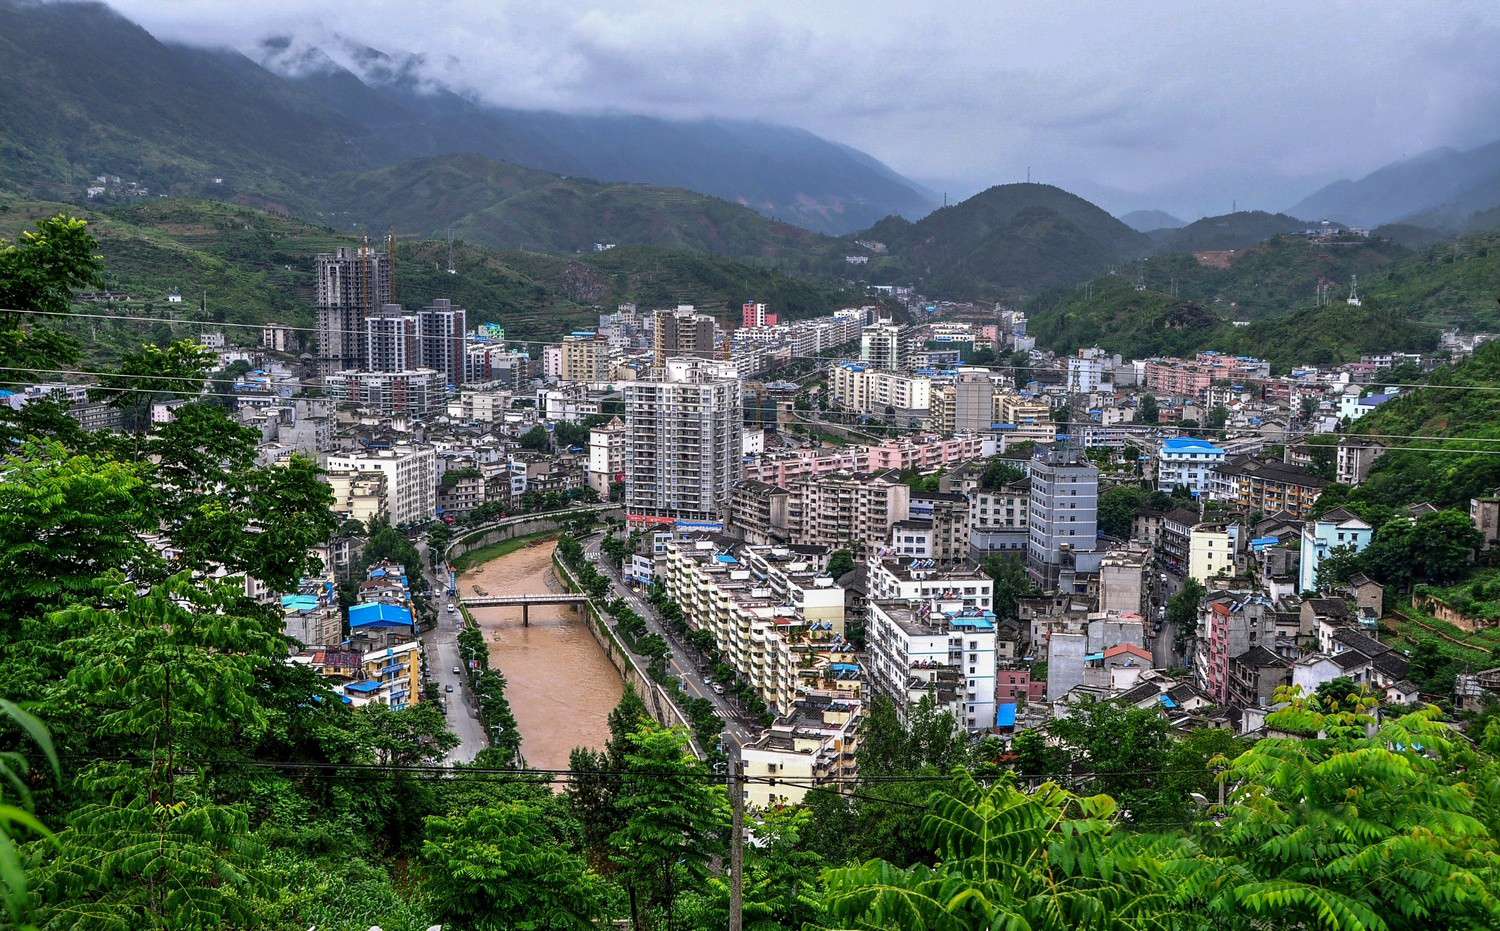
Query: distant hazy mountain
1147	220
1440	188
1231	231
1010	239
85	92
504	206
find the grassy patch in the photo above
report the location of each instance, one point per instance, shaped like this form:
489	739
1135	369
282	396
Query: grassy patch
495	550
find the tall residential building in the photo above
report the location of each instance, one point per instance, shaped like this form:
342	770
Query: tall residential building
682	333
410	479
391	340
847	509
352	283
883	346
606	456
585	357
973	402
937	649
683	442
1063	514
754	315
442	328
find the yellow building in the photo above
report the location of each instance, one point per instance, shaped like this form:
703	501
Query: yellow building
812	744
1211	551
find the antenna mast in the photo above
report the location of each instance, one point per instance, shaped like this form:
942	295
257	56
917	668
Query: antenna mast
1354	300
451	270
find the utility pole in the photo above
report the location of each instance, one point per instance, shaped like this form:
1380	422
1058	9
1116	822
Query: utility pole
736	845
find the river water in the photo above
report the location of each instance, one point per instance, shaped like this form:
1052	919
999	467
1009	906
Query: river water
559	682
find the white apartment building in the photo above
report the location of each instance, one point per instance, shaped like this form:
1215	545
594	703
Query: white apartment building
879	393
812	744
683	440
412	391
920	580
882	346
936	649
606	456
410	479
777	619
1188	461
997	519
360	496
1085	372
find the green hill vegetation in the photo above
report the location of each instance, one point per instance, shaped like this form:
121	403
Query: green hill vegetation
504	206
1448	471
1406	296
251	267
1231	231
1011	239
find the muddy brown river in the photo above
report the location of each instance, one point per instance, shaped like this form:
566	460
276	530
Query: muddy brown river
560	685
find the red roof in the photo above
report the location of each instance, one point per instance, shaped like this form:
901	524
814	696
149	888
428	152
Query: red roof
1127	648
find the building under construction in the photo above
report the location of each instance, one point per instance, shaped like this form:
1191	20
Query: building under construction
353	283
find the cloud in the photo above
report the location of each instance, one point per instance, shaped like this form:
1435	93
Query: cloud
1172	103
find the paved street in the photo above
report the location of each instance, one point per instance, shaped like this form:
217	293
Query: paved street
441	644
679	664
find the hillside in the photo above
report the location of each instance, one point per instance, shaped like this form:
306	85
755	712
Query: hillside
1273	277
251	266
1110	313
1440	188
505	206
1230	231
1272	287
1145	221
1011	239
1449	284
85	92
1447	472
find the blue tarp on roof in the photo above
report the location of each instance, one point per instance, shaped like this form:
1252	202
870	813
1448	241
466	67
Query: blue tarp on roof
363	615
363	687
1166	700
1005	714
844	667
299	602
1265	541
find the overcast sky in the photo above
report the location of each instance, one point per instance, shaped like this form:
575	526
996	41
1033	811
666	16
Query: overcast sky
1178	104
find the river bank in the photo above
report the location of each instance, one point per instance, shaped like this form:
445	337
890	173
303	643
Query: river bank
560	684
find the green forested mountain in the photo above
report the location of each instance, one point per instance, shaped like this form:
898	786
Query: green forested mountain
85	92
1232	231
1406	296
1446	472
504	206
250	266
1011	239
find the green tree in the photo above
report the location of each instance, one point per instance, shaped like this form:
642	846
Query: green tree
38	275
1123	751
841	563
500	868
154	373
1439	548
1148	411
16	811
64	519
674	824
1354	824
1008	570
1217	418
1340	565
1117	507
998	473
1045	861
536	439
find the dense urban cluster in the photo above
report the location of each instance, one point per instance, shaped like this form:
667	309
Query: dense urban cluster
897	597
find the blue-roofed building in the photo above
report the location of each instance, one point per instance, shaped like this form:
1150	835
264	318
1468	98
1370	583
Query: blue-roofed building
1188	461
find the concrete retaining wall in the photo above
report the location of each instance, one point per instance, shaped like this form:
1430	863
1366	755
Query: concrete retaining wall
659	700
